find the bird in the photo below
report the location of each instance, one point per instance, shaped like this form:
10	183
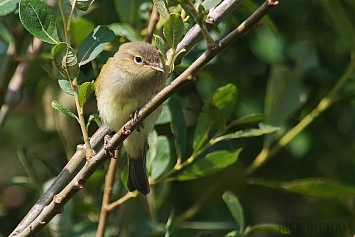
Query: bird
125	84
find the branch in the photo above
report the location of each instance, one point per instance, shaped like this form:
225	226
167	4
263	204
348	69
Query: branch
13	95
62	180
33	226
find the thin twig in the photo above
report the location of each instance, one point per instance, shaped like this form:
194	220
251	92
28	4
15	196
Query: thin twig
109	182
154	18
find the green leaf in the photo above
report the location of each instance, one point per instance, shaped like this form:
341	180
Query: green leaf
178	126
67	7
268	46
95	118
165	116
128	11
66	61
94	44
8	6
124	176
184	2
342	21
224	100
290	95
125	30
85	92
80	28
268	227
173	29
211	163
65	83
169	227
235	208
314	187
160	44
208	4
162	8
38	20
23	182
83	5
203	127
250	118
56	105
175	57
234	233
158	156
251	132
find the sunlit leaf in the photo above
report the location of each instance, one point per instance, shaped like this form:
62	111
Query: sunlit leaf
165	116
234	233
173	29
315	187
224	100
268	227
56	105
235	208
94	44
169	227
65	83
94	118
250	118
66	61
203	127
162	8
160	44
250	132
208	4
211	163
80	28
85	92
8	6
83	5
159	156
38	20
125	30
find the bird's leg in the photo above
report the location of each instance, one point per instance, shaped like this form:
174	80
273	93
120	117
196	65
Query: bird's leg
107	147
134	118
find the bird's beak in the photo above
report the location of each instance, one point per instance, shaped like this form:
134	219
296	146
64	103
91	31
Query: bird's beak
158	68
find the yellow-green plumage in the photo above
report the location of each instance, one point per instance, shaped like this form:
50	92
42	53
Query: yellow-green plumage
125	84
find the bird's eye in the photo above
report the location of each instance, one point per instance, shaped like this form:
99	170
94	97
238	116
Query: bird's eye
138	59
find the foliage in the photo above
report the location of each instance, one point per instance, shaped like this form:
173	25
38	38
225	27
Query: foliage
262	107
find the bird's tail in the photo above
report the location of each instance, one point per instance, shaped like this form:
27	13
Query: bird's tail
137	176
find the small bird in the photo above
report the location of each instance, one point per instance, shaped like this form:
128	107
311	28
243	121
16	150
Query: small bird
126	83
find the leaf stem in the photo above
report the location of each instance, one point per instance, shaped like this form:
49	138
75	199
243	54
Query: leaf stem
80	110
209	40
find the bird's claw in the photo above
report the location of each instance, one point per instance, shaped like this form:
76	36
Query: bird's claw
107	147
134	118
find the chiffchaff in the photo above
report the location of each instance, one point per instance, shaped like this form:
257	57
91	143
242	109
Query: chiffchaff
126	83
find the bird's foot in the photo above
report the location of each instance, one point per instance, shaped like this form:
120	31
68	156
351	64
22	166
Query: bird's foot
109	150
134	118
